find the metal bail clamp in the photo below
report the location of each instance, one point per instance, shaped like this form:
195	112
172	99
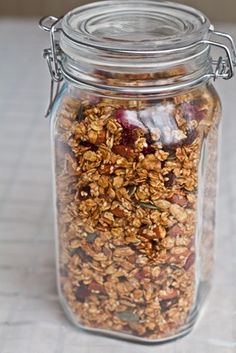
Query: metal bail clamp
53	57
225	67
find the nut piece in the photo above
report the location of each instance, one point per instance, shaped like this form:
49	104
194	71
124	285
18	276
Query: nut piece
179	213
118	212
179	200
175	231
124	151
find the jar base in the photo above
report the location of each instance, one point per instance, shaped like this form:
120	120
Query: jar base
184	331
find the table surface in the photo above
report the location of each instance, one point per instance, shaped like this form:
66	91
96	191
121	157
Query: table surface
31	319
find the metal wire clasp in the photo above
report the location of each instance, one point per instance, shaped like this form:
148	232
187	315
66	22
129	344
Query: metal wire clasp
224	66
53	57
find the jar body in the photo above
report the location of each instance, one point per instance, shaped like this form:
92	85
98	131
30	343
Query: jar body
135	189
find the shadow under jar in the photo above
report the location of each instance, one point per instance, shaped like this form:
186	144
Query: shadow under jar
135	138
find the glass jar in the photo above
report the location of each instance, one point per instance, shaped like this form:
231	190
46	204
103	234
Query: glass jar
135	131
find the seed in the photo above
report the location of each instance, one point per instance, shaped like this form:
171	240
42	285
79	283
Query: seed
166	304
91	237
172	156
149	205
189	262
131	189
127	315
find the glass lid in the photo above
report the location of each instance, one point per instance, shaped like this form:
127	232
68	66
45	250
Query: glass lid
127	25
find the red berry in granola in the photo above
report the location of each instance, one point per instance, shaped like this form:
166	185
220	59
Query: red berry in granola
82	292
148	150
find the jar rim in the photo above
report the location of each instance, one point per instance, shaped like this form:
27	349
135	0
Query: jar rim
134	26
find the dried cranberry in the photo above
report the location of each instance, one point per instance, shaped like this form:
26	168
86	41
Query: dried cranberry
193	110
200	115
122	117
171	179
82	292
128	137
148	150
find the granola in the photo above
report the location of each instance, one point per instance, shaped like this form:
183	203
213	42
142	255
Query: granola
127	175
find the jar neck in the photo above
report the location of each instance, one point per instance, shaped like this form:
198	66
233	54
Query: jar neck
158	77
135	47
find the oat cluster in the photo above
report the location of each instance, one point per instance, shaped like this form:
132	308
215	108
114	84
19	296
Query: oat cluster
127	176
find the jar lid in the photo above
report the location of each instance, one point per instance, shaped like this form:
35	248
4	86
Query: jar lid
135	37
135	26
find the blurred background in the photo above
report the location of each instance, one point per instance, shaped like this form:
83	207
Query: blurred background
217	10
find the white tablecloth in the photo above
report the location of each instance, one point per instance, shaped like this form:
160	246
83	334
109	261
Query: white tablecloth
31	319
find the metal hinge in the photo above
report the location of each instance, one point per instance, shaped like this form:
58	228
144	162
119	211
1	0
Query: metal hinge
53	57
224	65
